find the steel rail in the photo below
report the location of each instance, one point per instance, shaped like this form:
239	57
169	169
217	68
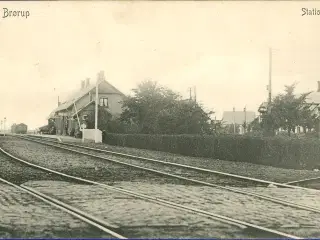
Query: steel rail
261	196
303	180
228	220
285	185
91	220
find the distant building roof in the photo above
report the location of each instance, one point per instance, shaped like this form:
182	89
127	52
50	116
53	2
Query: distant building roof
313	97
79	94
238	117
44	127
73	98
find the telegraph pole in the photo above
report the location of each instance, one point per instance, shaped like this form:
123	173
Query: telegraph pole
4	126
269	129
270	75
245	119
195	93
234	120
96	111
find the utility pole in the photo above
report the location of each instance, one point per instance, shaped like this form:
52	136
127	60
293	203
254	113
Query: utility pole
245	119
234	120
269	129
190	94
1	125
96	110
195	93
4	126
270	76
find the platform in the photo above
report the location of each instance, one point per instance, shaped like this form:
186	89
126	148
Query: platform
61	138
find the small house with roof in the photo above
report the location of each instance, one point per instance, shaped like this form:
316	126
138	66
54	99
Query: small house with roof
238	118
70	115
313	99
312	102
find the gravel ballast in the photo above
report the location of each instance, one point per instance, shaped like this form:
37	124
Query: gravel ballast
175	170
138	218
264	172
298	222
24	216
264	213
76	164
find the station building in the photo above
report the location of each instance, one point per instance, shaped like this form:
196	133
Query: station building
69	116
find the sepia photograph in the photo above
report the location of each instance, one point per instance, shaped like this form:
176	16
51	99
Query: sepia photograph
159	119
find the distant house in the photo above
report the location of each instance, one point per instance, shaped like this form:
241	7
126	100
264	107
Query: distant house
312	102
313	99
70	115
238	118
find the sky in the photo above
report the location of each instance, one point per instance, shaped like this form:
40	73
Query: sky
219	47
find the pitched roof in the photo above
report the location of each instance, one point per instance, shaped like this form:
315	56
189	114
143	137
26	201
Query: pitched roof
238	117
78	95
44	127
313	97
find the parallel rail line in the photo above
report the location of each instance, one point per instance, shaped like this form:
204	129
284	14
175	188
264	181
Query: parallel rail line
88	218
303	180
228	220
285	185
261	196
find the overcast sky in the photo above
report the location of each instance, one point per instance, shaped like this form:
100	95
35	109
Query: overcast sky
219	47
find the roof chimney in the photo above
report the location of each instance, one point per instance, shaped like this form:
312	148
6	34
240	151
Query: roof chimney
87	82
82	84
318	86
101	76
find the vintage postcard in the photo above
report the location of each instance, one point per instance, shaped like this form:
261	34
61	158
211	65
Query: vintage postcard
160	119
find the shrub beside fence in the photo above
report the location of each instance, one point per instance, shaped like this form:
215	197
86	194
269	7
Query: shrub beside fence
290	153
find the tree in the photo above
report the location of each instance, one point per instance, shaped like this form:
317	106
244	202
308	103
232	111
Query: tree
185	117
104	117
155	109
219	127
145	105
287	111
13	128
255	125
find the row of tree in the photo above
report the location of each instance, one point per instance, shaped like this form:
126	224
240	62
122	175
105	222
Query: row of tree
154	109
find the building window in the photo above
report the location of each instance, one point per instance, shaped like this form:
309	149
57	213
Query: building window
104	102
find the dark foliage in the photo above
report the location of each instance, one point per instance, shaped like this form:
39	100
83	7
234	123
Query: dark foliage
290	153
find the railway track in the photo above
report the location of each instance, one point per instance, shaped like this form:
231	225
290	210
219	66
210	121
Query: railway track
31	172
88	152
260	230
313	182
143	160
85	217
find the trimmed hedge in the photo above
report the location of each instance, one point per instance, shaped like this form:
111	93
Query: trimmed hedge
289	153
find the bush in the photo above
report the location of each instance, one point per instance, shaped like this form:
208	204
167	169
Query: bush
289	153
